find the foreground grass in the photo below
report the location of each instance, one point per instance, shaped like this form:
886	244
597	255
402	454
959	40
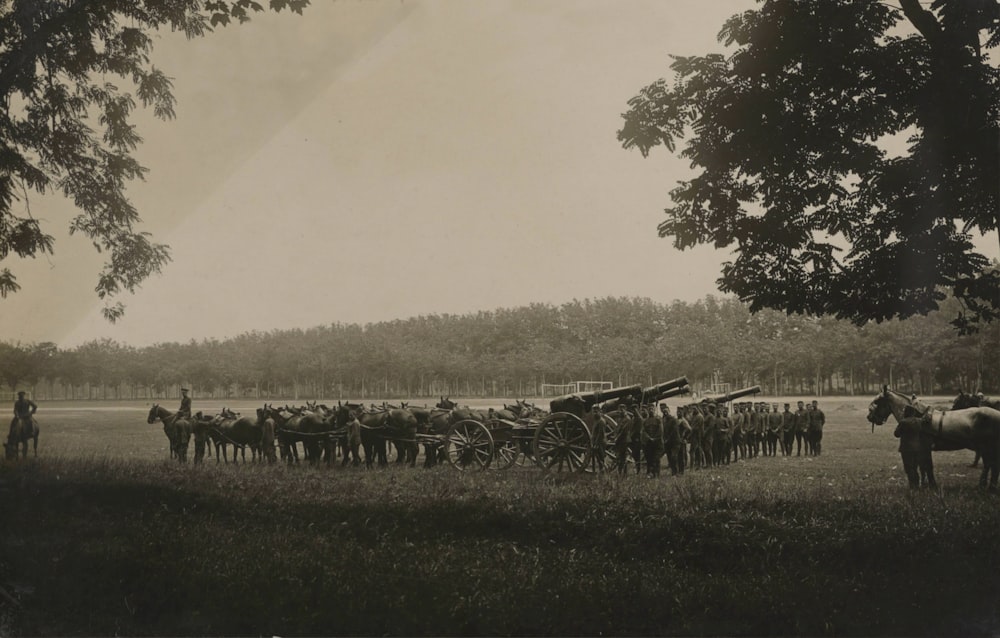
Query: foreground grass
771	546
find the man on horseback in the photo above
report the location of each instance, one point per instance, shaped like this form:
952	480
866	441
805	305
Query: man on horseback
184	412
23	409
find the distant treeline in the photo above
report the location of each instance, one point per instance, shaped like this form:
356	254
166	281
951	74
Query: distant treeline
512	352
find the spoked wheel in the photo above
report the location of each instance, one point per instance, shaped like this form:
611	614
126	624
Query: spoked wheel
506	449
469	446
607	450
562	442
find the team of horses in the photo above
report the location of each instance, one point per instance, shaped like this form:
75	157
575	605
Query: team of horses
321	429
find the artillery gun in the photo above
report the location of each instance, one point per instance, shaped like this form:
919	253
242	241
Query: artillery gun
727	397
579	404
650	395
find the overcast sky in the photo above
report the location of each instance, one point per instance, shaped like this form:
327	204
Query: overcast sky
384	159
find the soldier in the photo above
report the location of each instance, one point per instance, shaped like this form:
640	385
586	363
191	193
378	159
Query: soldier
723	436
750	427
684	429
622	442
815	432
787	430
184	412
652	441
598	439
801	425
773	430
740	420
23	409
671	437
708	432
697	422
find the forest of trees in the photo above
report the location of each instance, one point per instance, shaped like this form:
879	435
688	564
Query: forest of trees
511	352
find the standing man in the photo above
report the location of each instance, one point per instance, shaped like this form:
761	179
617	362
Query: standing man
652	441
684	429
185	410
24	408
787	430
697	422
816	422
622	442
671	438
598	439
774	420
801	425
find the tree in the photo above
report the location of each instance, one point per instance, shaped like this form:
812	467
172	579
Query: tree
792	139
57	60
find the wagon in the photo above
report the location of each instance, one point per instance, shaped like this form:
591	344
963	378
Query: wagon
562	440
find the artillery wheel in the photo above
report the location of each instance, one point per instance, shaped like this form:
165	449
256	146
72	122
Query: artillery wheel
506	448
611	432
562	442
469	445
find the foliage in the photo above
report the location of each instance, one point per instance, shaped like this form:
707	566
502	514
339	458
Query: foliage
791	137
65	125
510	352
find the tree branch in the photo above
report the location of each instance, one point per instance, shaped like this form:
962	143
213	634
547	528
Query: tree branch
925	21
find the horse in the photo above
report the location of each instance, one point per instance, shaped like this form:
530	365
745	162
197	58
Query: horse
239	431
372	437
177	429
311	425
964	400
976	429
22	430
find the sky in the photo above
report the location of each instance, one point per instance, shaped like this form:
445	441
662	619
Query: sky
383	159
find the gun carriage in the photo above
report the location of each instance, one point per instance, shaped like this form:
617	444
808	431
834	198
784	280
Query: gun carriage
562	440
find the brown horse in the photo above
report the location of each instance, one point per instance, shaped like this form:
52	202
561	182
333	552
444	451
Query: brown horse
22	430
177	429
976	429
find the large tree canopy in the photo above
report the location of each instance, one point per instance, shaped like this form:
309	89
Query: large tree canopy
65	126
796	140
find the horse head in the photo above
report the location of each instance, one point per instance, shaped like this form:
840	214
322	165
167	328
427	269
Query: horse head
154	413
446	404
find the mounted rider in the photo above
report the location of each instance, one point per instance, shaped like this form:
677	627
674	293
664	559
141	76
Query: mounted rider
24	408
184	412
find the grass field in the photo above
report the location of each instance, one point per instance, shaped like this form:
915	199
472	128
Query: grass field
103	535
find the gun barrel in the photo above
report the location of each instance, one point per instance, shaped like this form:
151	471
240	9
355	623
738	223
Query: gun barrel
649	394
583	401
736	394
672	392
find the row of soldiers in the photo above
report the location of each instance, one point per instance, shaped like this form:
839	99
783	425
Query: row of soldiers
706	434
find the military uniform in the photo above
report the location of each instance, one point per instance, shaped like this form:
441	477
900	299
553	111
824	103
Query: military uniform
801	425
23	409
185	410
815	431
652	443
787	430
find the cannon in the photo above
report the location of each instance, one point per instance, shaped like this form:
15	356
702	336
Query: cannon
580	403
673	392
730	396
652	394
